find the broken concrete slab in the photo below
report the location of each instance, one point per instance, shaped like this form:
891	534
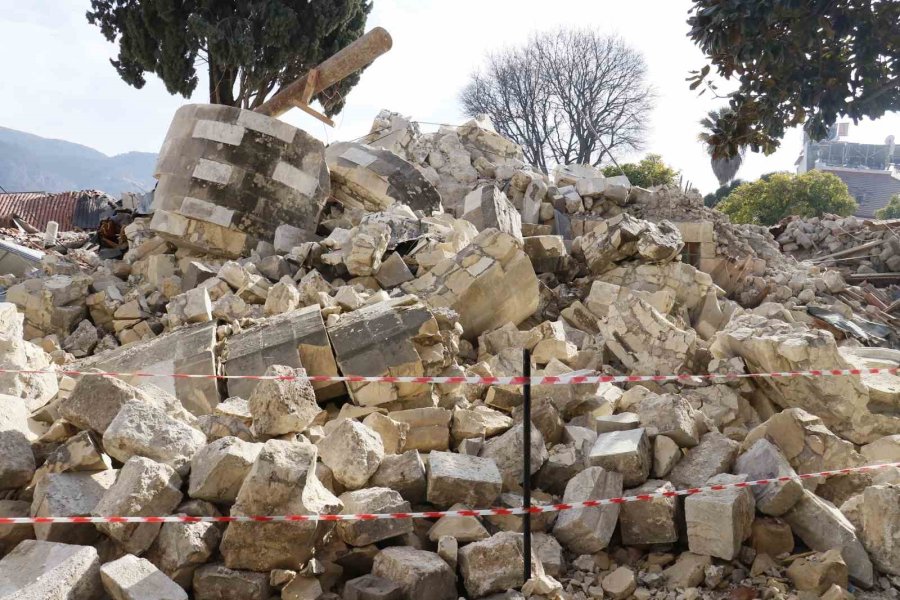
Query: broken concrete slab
421	575
281	481
458	478
297	339
51	571
228	177
133	578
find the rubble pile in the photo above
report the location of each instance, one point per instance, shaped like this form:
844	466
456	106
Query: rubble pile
436	254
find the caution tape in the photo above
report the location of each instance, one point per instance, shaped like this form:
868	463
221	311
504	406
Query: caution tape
482	512
465	379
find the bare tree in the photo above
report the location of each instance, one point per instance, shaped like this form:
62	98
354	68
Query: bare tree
567	96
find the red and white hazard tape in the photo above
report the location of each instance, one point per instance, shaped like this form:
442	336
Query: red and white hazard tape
516	380
482	512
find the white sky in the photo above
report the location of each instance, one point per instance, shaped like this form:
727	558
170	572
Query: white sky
57	81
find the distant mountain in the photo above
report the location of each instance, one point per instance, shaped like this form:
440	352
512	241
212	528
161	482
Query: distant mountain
32	163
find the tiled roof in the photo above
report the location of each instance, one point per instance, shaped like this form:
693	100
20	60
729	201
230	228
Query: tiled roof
72	210
872	189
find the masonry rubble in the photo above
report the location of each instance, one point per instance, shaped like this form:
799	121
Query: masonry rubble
442	254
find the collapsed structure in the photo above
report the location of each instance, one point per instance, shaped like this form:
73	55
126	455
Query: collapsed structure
437	254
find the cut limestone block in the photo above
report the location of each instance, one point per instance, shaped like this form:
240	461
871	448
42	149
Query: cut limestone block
371	587
282	481
374	179
219	468
881	526
281	406
11	535
386	338
818	572
506	452
421	575
133	578
228	177
765	461
494	565
652	521
404	473
144	488
626	452
296	339
353	452
181	548
718	522
588	530
459	478
714	455
488	283
50	571
69	495
821	526
16	460
218	582
373	500
486	206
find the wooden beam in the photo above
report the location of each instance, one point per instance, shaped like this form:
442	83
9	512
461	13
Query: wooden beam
314	113
361	53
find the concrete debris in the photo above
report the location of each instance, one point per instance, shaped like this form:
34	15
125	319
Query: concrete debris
443	254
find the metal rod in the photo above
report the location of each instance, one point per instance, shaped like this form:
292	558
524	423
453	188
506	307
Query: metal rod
526	475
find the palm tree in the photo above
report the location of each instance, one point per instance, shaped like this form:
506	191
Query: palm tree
716	138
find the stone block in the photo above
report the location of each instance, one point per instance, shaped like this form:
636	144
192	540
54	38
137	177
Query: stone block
218	582
281	406
488	283
393	272
11	535
714	455
687	572
133	578
371	587
718	522
619	584
462	529
549	552
187	350
459	478
297	339
370	501
625	452
393	433
386	338
219	468
771	536
282	481
50	571
144	488
429	428
588	530
548	253
146	430
375	179
404	473
69	495
671	416
651	521
765	461
353	452
506	452
181	548
493	565
880	511
821	526
488	207
17	463
204	199
421	575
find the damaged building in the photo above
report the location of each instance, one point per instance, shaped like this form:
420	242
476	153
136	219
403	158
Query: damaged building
439	254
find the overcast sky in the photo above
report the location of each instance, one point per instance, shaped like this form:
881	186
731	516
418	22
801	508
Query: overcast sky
57	81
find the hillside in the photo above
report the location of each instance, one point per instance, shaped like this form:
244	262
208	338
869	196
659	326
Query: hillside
32	163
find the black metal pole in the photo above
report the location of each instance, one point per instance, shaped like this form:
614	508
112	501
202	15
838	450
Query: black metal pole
526	476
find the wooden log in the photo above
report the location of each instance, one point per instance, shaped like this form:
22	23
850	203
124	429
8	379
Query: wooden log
340	65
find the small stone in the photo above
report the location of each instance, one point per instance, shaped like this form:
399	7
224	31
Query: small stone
688	571
133	578
818	572
619	584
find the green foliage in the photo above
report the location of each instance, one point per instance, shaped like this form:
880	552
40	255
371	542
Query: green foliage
768	201
650	171
713	199
891	210
250	47
797	62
